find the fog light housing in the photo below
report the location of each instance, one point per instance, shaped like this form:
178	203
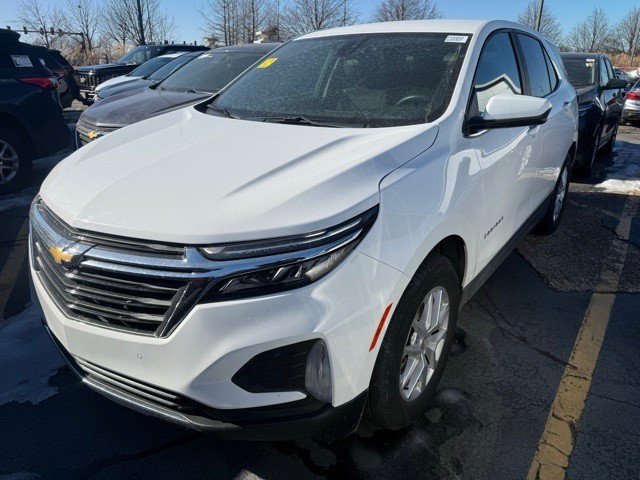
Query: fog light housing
318	373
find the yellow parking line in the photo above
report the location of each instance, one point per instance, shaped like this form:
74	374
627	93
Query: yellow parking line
558	439
13	265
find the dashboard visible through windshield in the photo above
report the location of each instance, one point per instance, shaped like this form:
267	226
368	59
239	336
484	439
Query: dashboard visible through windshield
369	80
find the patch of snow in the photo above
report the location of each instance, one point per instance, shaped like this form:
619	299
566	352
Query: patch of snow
624	175
28	359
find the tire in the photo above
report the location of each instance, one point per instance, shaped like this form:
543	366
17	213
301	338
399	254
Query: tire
15	160
586	168
390	406
622	121
553	215
608	147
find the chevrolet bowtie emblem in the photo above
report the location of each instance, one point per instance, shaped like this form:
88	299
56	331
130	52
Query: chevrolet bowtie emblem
92	135
60	255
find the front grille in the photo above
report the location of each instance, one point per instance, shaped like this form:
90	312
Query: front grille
89	82
88	131
109	281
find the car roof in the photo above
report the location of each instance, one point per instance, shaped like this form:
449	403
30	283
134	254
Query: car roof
421	26
9	35
248	47
173	55
581	55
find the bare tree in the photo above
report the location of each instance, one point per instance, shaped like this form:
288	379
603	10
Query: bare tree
254	14
303	16
592	35
35	16
220	20
627	32
549	25
392	10
137	21
83	18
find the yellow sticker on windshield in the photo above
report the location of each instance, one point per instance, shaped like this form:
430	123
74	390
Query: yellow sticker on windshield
268	62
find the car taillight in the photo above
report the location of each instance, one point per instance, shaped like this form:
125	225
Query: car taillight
633	95
45	83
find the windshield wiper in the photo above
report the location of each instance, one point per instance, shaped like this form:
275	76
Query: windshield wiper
300	120
222	110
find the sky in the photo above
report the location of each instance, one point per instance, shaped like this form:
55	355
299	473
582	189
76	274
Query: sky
568	12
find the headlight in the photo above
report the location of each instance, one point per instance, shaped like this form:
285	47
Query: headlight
288	262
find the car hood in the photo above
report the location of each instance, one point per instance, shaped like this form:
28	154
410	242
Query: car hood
135	105
191	178
133	84
116	81
107	68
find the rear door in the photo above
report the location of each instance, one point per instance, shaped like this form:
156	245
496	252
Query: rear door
549	139
506	155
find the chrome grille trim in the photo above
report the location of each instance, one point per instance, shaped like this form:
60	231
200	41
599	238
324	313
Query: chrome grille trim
95	282
83	128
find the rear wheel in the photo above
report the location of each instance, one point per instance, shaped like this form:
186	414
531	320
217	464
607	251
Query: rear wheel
416	346
585	169
608	147
15	161
557	202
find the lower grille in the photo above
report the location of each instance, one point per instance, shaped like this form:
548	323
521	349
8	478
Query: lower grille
95	287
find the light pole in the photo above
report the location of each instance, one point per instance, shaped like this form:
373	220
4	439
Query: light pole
539	16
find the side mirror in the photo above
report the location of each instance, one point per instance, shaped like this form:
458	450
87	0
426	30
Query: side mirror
615	83
506	111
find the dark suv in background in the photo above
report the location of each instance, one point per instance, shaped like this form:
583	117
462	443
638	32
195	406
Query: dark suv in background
600	96
31	121
90	76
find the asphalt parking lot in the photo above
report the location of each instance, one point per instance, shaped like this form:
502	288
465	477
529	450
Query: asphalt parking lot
544	381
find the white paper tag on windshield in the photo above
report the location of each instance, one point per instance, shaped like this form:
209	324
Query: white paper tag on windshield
456	39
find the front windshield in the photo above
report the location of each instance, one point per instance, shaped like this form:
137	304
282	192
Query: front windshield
581	71
372	80
140	54
210	71
147	68
169	68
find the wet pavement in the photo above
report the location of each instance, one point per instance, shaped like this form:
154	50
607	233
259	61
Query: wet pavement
514	341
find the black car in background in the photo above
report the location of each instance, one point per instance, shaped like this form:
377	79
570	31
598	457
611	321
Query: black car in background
90	76
147	80
200	78
68	89
31	121
600	96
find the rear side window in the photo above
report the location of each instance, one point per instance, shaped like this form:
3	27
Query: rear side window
553	76
497	73
537	70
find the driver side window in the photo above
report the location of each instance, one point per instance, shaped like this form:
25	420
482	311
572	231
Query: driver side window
497	73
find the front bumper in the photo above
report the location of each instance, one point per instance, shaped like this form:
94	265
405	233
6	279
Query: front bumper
198	361
302	421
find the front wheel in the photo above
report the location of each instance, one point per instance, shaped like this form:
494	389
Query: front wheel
416	346
15	161
557	202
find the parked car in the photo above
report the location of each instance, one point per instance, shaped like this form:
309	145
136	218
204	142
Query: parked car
269	262
600	96
68	89
143	71
631	107
198	79
31	121
148	80
89	77
47	61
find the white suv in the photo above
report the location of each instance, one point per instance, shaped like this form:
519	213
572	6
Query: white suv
272	261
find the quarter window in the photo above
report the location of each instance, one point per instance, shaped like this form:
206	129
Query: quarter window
553	76
497	73
604	77
537	72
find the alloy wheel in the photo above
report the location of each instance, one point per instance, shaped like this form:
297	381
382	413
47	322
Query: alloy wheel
424	344
560	193
9	162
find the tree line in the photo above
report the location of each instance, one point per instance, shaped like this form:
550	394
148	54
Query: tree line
110	27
